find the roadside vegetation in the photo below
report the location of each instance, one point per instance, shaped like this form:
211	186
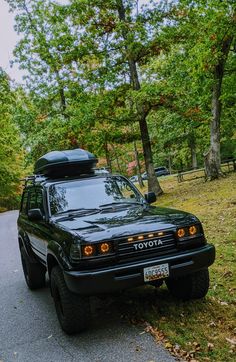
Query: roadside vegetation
203	330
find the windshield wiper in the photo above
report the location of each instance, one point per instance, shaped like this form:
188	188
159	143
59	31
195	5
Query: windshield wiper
82	210
121	203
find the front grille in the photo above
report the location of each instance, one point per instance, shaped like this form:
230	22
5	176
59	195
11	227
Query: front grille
149	246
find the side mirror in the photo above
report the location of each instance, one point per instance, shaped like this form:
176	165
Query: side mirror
150	197
35	215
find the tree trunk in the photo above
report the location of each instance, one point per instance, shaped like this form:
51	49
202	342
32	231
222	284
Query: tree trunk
153	184
212	157
192	146
117	159
169	163
136	156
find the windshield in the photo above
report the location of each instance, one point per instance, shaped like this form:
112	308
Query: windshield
91	194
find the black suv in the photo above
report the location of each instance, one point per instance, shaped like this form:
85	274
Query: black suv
96	233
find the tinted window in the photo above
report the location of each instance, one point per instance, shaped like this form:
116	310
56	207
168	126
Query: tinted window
36	200
24	202
91	193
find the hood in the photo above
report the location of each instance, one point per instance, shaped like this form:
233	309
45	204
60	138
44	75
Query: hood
120	222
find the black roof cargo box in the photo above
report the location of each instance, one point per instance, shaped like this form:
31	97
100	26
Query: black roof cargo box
65	163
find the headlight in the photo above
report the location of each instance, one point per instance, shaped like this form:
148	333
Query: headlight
104	248
192	230
181	233
96	250
188	231
88	250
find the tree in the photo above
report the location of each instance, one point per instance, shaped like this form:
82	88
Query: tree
99	69
100	44
212	28
117	42
11	157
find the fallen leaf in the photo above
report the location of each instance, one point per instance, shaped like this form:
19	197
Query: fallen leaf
227	274
212	324
197	346
232	341
224	303
210	346
192	354
168	345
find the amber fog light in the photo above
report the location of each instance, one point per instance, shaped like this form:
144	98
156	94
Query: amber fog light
88	250
104	248
192	230
181	233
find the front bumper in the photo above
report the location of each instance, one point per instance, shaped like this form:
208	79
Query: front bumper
129	275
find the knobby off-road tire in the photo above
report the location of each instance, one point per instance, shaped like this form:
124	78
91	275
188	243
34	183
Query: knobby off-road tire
72	310
193	286
34	272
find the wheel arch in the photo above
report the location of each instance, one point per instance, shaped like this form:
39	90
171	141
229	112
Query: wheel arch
51	262
20	242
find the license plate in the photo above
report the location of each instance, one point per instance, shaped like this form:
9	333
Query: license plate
156	272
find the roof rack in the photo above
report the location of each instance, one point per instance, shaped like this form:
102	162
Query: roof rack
32	179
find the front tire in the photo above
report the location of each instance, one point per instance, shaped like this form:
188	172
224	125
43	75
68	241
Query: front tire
192	286
34	272
72	310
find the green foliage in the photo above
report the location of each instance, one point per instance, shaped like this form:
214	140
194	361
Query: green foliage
10	150
80	92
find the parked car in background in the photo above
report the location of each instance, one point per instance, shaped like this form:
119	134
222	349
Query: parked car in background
134	178
159	171
101	171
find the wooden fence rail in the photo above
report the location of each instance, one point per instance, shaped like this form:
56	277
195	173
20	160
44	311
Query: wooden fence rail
226	165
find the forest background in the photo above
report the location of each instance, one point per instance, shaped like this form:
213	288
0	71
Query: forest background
148	83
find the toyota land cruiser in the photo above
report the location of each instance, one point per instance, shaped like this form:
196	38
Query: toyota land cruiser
95	233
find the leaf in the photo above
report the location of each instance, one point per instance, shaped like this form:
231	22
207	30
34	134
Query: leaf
232	341
196	346
168	345
210	346
224	303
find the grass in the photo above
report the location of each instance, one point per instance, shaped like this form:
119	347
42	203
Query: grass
200	330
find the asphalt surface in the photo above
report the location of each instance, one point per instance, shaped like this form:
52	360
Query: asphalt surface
29	330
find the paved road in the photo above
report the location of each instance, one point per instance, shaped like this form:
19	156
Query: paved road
29	330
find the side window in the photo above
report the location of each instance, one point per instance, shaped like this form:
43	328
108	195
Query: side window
24	203
36	200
